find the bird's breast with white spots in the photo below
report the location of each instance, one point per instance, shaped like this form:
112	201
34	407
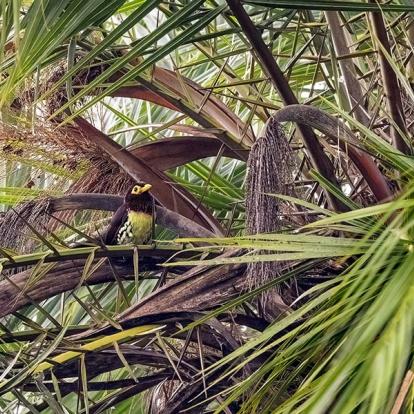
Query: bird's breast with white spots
136	229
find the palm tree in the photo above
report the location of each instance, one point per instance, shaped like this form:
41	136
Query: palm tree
277	137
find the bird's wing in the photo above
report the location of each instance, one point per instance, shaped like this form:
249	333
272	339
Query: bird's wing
118	219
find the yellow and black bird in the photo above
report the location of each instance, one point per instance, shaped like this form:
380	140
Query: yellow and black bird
133	222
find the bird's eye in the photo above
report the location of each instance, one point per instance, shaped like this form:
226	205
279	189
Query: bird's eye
136	189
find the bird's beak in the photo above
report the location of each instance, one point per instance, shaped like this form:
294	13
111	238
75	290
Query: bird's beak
146	187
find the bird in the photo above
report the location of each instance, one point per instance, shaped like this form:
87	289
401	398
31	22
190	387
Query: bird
133	222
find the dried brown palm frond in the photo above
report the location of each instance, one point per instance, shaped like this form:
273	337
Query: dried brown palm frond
159	395
48	78
15	233
42	147
41	144
70	161
72	165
